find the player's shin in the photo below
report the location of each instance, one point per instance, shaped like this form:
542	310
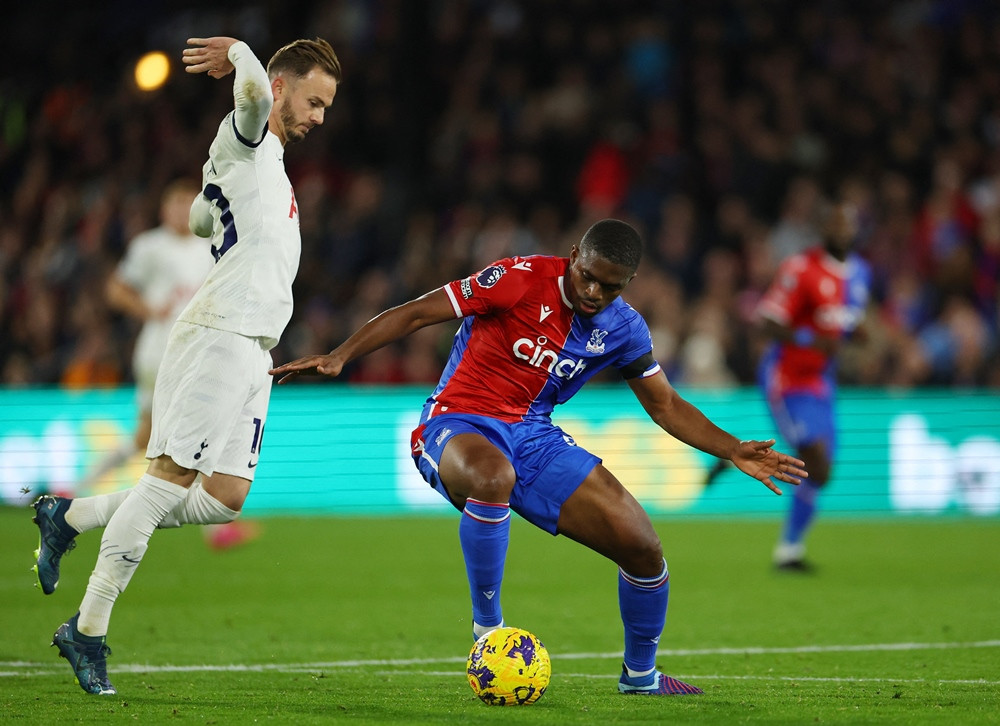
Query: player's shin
643	604
122	547
484	532
801	512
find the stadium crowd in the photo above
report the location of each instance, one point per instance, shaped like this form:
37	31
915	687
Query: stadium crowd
468	130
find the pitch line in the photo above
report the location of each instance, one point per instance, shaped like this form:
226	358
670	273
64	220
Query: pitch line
34	668
719	677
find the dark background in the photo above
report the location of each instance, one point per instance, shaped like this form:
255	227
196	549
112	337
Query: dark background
465	131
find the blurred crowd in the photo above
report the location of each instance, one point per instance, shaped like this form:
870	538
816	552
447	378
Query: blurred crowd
469	130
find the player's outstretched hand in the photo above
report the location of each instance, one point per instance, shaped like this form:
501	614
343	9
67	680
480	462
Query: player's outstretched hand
326	365
759	460
209	55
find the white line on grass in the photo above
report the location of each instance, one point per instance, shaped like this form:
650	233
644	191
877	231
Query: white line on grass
717	677
34	668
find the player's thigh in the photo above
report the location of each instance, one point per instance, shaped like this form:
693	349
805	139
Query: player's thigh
163	467
463	456
803	417
604	516
210	401
472	467
230	490
816	457
243	448
812	432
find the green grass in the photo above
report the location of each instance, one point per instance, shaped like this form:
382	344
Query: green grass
316	619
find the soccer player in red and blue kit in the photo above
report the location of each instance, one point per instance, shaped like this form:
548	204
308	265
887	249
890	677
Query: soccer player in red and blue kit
817	300
535	329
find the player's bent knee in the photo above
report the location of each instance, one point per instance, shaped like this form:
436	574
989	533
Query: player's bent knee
642	556
492	489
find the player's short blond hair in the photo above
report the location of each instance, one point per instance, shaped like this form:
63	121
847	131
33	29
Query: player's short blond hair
301	56
183	186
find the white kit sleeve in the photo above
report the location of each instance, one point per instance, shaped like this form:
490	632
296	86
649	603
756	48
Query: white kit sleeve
200	218
251	91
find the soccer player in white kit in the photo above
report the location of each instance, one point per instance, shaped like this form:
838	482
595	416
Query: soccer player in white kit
211	394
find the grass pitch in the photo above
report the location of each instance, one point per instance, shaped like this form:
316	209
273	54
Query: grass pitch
367	621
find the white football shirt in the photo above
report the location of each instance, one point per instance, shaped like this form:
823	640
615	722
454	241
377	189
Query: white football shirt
255	220
166	269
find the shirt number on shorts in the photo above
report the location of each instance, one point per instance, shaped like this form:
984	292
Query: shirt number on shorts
258	436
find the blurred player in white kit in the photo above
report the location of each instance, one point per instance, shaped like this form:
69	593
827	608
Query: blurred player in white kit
162	269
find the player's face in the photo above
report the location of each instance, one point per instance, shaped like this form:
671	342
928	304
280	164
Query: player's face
592	282
841	229
175	210
304	102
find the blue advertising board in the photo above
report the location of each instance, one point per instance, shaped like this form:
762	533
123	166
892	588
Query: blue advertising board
342	449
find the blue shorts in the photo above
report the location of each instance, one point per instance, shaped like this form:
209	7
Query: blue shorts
548	463
804	418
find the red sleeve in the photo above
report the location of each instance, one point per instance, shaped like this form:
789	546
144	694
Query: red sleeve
496	287
784	297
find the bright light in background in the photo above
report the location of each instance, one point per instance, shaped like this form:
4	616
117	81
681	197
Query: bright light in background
152	70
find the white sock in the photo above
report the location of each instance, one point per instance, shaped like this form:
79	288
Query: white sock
87	513
125	540
199	507
638	674
481	630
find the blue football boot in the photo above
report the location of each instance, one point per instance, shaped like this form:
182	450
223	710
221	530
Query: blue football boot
654	684
88	655
55	538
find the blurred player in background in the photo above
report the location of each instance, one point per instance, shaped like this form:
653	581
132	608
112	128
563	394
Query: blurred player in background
535	330
211	395
816	302
162	270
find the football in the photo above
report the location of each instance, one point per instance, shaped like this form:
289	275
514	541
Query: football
509	667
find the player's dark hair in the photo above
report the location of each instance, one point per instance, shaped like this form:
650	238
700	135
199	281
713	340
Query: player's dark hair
301	56
614	241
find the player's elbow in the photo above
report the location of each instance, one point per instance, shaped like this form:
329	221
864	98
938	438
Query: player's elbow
112	292
200	219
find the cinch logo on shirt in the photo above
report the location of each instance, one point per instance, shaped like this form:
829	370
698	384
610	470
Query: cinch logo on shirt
539	357
839	317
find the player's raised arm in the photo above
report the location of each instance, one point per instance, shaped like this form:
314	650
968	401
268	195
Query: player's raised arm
251	88
208	55
384	328
687	423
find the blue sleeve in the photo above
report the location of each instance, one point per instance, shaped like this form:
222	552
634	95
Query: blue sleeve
636	358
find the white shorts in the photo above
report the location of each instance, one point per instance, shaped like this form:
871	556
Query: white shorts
145	379
210	401
149	351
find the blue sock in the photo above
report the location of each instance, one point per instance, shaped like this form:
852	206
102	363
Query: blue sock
801	512
484	533
643	604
